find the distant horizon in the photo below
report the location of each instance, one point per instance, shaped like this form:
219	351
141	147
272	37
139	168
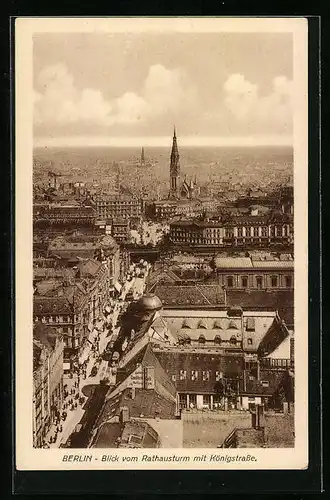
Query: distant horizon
161	142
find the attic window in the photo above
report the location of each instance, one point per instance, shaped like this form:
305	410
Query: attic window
201	339
217	339
206	375
250	325
186	324
183	374
233	340
217	324
249	341
218	376
194	374
202	324
233	325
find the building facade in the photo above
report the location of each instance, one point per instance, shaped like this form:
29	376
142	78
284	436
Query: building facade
48	350
255	274
240	231
113	206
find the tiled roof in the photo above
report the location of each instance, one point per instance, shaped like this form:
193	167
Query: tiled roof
51	306
274	378
175	362
113	435
89	267
48	287
275	335
197	295
273	264
281	301
233	262
147	403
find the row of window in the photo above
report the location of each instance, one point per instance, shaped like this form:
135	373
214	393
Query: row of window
204	375
274	281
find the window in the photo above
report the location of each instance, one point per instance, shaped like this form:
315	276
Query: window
230	281
265	383
240	232
233	340
206	375
217	339
194	374
218	376
288	281
174	378
273	281
207	400
182	400
201	339
264	231
244	281
259	282
250	325
183	374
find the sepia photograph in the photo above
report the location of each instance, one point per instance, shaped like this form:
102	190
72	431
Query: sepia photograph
162	192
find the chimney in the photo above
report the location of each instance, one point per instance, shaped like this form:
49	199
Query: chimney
260	416
124	415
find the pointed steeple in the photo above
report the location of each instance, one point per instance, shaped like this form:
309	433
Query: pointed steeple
174	168
142	161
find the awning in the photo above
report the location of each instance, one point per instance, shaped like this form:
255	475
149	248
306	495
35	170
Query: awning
118	287
66	366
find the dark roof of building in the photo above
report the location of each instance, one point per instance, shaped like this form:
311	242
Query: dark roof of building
275	335
190	295
269	383
281	301
51	305
175	361
132	434
147	403
89	267
147	358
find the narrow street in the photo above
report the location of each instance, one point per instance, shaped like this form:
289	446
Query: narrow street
92	369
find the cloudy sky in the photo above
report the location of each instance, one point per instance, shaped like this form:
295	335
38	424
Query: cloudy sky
216	88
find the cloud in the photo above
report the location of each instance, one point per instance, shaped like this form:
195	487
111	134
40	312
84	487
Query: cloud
244	102
58	100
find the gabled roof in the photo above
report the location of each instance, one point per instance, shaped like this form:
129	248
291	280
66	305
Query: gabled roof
275	335
89	267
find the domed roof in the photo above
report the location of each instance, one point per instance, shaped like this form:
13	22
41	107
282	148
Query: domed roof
149	302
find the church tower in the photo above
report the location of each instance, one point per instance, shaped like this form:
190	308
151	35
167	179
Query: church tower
143	160
174	169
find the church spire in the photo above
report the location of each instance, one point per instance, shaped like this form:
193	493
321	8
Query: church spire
174	168
142	161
